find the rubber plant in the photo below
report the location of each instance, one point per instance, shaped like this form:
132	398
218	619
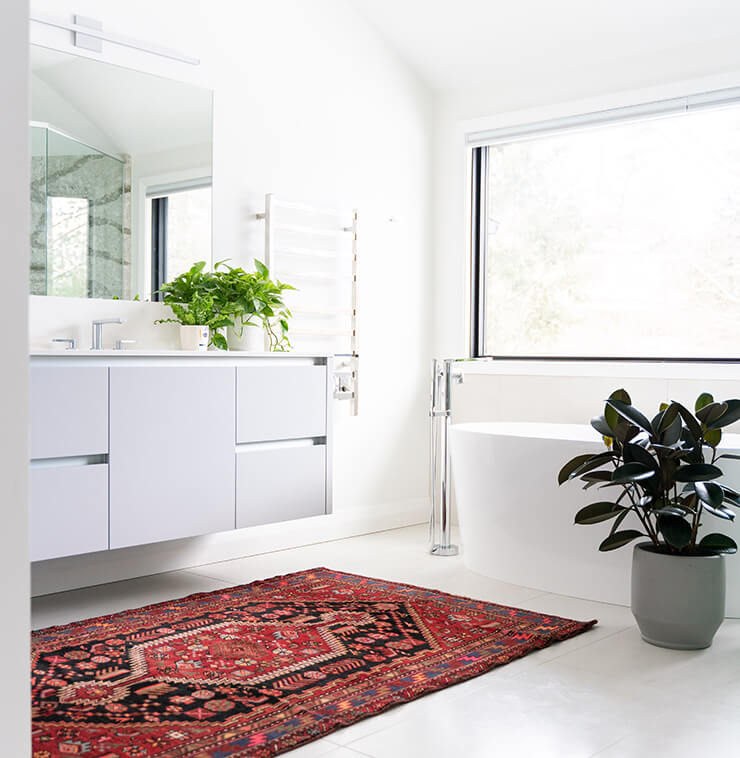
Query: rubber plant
253	298
195	300
665	471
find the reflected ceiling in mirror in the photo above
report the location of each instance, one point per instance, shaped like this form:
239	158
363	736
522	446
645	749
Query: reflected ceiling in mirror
120	177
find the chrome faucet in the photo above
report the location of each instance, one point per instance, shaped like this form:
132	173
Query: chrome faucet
97	331
71	342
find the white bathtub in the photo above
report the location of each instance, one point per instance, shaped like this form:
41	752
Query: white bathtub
517	525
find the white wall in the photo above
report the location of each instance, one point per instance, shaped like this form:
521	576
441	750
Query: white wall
14	223
525	391
309	104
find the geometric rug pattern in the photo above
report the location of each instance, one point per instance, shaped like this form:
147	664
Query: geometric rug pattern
255	670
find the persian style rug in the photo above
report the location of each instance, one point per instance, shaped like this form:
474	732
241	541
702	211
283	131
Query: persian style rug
259	669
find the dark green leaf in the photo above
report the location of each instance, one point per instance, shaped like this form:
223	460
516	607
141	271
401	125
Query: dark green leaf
713	437
593	463
675	530
571	466
670	414
618	539
598	512
610	415
631	472
722	512
598	423
597	476
625	431
671	434
709	493
730	456
593	478
729	491
710	413
690	421
697	472
719	543
637	454
703	401
669	510
618	520
730	416
632	415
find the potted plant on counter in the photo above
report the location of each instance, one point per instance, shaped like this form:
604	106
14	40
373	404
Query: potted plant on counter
665	472
196	304
256	307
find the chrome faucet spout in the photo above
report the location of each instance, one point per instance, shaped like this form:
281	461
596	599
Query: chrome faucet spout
97	331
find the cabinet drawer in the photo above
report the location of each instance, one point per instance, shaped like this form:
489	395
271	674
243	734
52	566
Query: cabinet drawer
280	402
68	510
279	484
68	411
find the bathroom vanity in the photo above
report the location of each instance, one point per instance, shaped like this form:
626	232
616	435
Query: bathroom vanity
130	448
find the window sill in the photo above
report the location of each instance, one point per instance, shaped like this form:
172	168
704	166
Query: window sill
627	369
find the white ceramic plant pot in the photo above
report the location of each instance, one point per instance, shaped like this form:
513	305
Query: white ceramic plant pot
194	337
252	339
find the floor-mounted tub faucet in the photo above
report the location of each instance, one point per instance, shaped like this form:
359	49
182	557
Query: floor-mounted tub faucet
97	331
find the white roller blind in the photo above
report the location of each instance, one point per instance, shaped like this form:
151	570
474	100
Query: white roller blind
524	131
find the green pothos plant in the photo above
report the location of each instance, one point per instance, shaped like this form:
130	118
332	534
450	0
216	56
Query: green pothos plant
665	472
229	297
253	298
195	300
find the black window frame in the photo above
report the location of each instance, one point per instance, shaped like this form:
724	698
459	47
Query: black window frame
159	245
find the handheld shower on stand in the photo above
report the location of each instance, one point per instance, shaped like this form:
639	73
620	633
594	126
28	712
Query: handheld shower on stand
440	526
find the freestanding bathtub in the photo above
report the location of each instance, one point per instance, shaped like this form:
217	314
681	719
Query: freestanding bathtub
517	525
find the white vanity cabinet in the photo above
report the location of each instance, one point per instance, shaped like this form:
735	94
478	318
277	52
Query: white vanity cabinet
130	448
68	483
171	452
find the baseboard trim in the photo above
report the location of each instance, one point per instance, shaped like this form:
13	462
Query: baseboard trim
62	574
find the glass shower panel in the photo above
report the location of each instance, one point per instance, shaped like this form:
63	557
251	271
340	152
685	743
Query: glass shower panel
84	220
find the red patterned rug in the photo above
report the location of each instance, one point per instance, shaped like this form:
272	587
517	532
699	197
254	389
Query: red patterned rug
260	669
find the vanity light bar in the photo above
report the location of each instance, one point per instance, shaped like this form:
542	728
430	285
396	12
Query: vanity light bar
85	31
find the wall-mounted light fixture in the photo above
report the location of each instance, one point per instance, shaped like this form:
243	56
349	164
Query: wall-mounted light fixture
88	34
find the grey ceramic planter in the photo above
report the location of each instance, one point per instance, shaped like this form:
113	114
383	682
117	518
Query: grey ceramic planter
677	601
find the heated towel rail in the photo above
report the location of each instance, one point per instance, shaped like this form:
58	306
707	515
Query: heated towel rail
316	250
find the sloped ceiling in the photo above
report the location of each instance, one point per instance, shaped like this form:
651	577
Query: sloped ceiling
470	43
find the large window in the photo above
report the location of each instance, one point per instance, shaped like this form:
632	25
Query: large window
613	237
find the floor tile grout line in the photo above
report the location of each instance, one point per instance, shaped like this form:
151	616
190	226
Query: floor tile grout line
212	578
586	645
602	750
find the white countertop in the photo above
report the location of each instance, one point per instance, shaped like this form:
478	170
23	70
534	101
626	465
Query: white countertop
209	354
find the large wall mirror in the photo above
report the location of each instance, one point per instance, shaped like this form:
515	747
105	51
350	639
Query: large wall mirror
120	177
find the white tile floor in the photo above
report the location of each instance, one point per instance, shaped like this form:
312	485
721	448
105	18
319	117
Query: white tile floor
604	693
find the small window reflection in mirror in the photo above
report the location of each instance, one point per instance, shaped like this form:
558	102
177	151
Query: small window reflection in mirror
180	221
